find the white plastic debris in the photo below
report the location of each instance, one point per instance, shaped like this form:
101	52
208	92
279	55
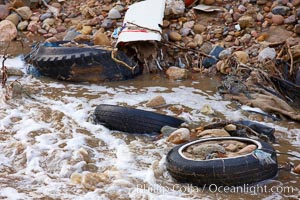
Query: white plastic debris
142	20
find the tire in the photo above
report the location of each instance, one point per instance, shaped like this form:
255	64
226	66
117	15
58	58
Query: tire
80	64
132	120
245	169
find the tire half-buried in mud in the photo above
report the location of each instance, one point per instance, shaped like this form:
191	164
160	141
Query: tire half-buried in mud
79	64
132	120
234	171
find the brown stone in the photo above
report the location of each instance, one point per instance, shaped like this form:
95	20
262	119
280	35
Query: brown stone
209	2
277	19
175	36
246	21
213	133
199	28
241	56
179	136
297	169
101	39
14	18
156	102
176	73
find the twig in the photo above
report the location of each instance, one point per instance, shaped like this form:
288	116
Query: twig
291	57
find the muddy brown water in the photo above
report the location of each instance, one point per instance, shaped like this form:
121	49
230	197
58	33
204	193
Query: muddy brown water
42	137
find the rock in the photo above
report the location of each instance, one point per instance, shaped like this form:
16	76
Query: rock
107	23
86	30
296	3
199	28
185	31
24	12
22	25
198	39
189	24
4	11
259	17
297	169
176	73
297	28
45	16
33	26
8	31
179	136
241	56
267	53
175	36
191	45
290	20
246	38
83	38
246	21
280	10
53	31
230	127
277	19
207	110
49	21
76	178
156	102
61	29
14	18
101	39
93	180
71	34
167	130
174	8
114	14
225	54
215	52
213	133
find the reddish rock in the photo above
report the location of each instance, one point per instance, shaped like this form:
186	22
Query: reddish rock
277	19
4	12
8	31
176	73
297	169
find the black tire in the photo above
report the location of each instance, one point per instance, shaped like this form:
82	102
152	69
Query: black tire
132	120
246	169
80	64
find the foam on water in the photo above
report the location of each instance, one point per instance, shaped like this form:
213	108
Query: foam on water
44	140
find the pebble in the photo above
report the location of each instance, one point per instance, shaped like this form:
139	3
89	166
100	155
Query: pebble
280	10
33	26
189	24
49	21
45	16
246	21
114	14
297	28
230	127
156	102
71	34
198	40
175	36
267	53
101	39
8	31
4	11
213	133
277	19
176	73
290	20
199	28
185	31
93	180
208	2
86	30
225	54
167	130
14	18
179	136
107	23
22	25
207	109
242	56
174	8
246	38
25	12
297	169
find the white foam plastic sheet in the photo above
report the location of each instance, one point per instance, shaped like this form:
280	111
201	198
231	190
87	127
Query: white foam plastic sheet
141	21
